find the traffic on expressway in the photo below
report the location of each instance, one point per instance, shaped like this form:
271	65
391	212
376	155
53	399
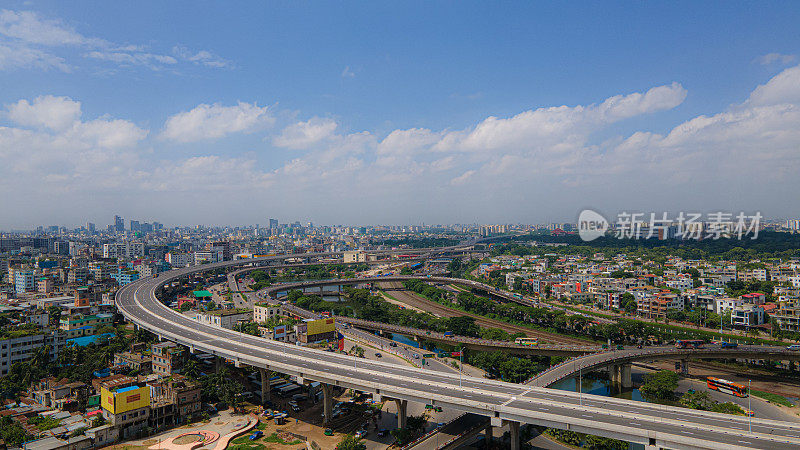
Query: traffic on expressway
621	419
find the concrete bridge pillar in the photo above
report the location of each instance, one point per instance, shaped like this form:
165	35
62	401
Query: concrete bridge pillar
402	407
577	384
327	402
217	364
489	435
264	385
684	367
513	429
613	377
627	382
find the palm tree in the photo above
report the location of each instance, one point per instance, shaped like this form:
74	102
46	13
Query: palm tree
191	369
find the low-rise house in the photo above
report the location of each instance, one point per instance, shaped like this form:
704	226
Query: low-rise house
134	361
224	318
168	358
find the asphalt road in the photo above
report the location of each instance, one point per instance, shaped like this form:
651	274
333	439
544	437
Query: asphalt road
137	301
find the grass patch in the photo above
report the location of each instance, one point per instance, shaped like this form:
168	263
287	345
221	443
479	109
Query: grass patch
274	438
248	446
390	296
773	398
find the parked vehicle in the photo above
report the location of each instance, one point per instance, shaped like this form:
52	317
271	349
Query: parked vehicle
256	435
360	434
724	344
328	432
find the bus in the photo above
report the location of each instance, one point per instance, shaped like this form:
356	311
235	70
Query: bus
527	341
728	387
689	343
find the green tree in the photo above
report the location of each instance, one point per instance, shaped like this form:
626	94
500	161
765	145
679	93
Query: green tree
602	443
697	400
350	442
660	385
728	408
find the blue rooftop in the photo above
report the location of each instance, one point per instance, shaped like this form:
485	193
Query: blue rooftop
126	389
86	340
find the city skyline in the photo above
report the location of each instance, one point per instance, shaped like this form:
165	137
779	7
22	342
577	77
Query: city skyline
510	118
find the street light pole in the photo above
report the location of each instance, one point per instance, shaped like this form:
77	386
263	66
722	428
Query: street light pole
749	411
460	365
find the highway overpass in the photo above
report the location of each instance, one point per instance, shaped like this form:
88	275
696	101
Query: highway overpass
648	424
273	291
618	361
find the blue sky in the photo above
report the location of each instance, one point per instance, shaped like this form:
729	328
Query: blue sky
402	112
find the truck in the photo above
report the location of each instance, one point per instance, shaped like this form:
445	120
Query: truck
288	390
448	334
724	344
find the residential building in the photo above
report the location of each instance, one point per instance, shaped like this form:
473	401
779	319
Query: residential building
178	259
747	316
22	345
354	256
125	249
225	318
134	361
45	285
168	358
264	311
24	281
126	408
173	401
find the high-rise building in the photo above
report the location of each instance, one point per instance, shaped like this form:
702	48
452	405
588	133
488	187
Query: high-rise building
134	225
119	224
90	227
273	223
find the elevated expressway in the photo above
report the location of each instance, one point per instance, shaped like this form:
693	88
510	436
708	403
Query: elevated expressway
273	291
651	425
618	361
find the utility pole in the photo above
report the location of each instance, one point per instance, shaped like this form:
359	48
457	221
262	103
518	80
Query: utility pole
749	411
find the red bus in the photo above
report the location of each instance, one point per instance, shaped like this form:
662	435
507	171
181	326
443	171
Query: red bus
689	343
728	387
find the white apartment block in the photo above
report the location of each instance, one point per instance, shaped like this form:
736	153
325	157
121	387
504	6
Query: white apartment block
262	312
128	250
178	259
18	349
224	318
726	304
354	256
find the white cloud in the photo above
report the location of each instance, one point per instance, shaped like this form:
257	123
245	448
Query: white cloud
546	163
28	27
136	59
782	88
28	40
303	135
55	113
215	121
347	73
463	178
202	57
547	127
16	56
771	58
